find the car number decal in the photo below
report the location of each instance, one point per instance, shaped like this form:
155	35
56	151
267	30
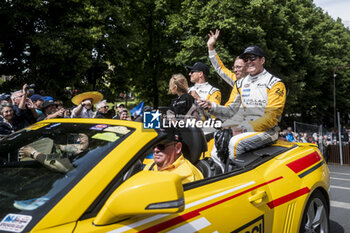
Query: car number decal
15	222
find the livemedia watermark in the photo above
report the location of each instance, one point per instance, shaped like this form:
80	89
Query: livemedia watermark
154	120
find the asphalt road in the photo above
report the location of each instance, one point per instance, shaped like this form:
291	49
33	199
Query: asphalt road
340	199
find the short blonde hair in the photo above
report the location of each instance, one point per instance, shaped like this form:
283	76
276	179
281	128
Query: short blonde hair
179	82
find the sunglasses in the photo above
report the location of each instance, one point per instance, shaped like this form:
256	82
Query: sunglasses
162	146
250	58
105	107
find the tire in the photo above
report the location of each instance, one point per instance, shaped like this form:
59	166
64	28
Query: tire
316	215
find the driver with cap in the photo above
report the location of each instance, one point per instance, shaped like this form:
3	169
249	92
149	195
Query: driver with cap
85	102
168	157
202	90
262	97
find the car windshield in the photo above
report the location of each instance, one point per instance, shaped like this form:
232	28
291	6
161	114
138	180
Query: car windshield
40	164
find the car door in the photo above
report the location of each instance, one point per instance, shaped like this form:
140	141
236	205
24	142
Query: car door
234	202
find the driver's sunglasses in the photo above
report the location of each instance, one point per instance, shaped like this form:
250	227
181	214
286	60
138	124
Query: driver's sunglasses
105	107
250	58
162	146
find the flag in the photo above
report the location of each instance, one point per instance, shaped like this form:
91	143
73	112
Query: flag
137	110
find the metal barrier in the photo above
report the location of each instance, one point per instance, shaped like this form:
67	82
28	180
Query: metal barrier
333	154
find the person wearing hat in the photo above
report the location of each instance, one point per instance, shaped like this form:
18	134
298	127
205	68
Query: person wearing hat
5	98
202	90
38	103
85	102
168	157
50	111
120	108
262	96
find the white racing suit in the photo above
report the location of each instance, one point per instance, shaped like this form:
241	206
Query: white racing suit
262	97
207	92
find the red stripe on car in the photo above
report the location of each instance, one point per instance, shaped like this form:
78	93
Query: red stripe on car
288	197
304	162
174	221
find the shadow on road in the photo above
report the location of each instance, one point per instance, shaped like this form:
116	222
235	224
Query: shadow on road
335	227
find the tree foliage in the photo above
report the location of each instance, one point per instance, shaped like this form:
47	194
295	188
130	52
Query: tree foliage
116	46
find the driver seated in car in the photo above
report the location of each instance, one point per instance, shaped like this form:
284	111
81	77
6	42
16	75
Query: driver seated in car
168	157
261	97
57	162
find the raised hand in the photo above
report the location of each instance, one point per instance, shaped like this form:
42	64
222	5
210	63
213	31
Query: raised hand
25	89
212	39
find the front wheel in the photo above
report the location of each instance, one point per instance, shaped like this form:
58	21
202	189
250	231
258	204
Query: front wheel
316	215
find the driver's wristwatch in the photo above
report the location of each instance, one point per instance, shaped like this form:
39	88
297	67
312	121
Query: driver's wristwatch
32	154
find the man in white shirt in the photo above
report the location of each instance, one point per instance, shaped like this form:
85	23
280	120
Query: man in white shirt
85	102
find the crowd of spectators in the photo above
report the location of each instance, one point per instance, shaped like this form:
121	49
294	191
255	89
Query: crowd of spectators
307	137
23	108
289	135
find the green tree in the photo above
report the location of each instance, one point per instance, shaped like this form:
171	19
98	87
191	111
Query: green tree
122	46
59	43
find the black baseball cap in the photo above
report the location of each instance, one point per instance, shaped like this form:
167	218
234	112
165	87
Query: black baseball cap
200	66
48	103
253	49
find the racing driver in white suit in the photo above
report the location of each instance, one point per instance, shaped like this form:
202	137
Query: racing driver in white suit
262	96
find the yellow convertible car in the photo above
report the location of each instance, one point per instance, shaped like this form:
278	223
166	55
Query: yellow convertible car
100	185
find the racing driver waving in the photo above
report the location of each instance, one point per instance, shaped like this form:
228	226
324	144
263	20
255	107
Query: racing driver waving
262	96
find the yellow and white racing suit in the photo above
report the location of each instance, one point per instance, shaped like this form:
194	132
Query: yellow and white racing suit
226	74
262	97
207	92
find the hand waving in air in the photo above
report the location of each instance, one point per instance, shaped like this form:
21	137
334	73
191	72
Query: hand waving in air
212	39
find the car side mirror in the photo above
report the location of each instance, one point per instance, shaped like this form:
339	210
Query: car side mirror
147	192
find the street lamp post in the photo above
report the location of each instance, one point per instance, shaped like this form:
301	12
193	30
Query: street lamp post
334	101
335	116
334	95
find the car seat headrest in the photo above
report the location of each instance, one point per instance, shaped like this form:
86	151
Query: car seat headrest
193	143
